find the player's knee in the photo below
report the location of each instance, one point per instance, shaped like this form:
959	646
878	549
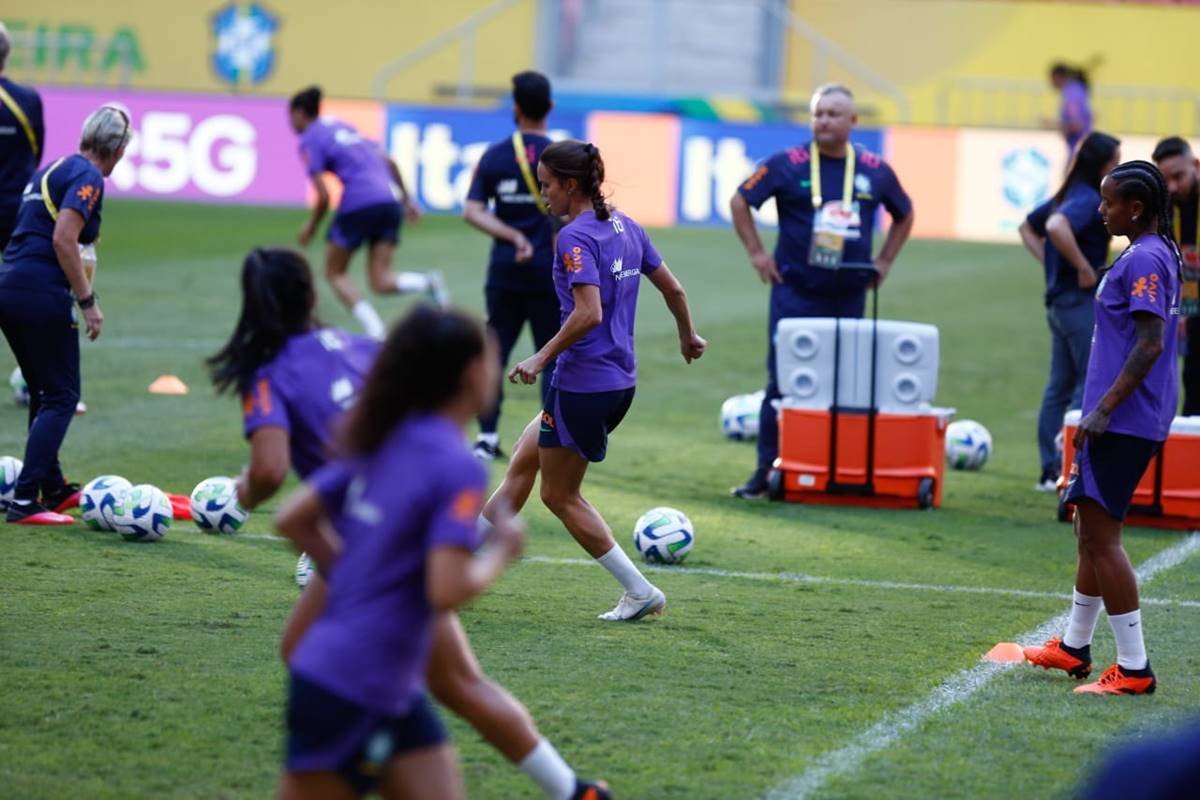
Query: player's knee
555	499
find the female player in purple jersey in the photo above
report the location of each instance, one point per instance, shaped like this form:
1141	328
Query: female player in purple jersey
374	202
296	378
601	256
393	524
1129	401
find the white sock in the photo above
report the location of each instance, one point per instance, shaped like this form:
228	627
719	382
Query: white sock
548	770
1085	610
1131	648
483	527
366	315
616	562
408	282
490	439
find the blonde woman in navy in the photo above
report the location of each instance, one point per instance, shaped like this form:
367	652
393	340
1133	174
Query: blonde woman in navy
44	291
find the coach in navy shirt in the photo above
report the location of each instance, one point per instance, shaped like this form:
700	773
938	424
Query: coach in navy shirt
22	136
826	226
45	289
519	285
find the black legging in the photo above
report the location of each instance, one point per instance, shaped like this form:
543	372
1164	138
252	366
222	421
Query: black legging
508	310
43	332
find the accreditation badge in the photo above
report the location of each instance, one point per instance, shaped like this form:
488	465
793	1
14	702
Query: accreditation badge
1189	294
833	225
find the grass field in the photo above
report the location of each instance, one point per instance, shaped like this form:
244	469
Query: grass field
151	670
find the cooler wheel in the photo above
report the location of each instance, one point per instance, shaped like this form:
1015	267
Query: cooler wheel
925	494
775	484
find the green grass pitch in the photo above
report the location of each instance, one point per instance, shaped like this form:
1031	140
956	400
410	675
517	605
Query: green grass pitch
151	670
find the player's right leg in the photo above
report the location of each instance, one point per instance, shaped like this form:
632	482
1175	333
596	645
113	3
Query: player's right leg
505	318
431	773
521	474
457	681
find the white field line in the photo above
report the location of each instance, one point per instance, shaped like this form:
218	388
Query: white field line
798	577
888	730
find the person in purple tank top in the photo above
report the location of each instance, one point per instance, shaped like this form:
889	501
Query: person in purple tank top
601	256
374	202
1129	401
392	526
297	379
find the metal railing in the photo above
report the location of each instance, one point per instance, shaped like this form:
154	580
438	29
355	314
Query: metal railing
1004	103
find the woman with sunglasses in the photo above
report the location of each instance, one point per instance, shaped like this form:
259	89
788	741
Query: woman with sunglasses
45	287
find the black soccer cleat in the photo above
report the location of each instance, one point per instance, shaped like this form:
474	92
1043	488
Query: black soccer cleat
591	790
756	488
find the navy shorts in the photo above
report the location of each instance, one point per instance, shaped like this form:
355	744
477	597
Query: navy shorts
378	223
1108	471
327	733
582	421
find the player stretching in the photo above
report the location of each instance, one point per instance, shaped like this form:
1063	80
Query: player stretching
1128	403
297	378
374	202
602	255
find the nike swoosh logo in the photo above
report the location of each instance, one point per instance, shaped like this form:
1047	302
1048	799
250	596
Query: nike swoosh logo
1085	605
1133	624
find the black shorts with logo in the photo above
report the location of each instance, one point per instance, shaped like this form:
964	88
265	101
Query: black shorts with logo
582	421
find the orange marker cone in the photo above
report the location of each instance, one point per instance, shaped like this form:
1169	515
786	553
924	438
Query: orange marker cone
168	384
181	506
1005	653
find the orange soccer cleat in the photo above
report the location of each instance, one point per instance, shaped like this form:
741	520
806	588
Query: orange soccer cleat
1056	655
1117	680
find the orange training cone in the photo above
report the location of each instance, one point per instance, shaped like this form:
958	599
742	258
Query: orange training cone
1005	653
168	384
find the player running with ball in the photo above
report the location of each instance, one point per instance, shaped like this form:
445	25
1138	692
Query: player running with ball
1129	400
601	256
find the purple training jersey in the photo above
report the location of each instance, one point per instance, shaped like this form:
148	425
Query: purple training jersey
419	491
328	145
315	377
1076	107
1143	278
612	254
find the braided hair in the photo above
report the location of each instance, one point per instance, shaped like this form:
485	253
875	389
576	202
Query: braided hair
581	161
1142	181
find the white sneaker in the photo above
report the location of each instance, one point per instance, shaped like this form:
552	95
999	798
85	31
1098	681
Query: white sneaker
437	288
633	608
1046	484
304	570
80	408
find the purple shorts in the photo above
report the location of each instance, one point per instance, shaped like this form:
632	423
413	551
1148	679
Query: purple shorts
327	733
582	421
370	224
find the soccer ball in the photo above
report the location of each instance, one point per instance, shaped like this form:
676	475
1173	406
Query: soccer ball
304	570
98	498
20	389
142	514
739	415
968	444
10	473
663	535
215	507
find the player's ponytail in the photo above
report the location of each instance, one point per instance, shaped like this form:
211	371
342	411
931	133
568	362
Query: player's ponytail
307	101
581	161
277	303
418	371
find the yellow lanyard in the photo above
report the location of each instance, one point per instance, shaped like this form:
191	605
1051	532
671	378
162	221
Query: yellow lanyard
847	180
518	143
7	99
1179	224
51	208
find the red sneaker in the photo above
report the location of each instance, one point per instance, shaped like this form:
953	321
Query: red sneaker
1117	680
36	514
1056	655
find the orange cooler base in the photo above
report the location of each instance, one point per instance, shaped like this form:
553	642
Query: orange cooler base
910	458
1180	483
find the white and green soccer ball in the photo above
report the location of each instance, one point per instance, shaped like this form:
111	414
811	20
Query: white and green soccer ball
304	570
215	507
142	514
10	473
968	444
20	389
98	499
739	415
664	535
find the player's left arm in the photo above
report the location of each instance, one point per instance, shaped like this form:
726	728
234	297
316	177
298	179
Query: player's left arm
318	211
270	460
900	207
691	344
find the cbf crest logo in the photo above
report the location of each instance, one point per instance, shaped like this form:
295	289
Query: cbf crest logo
1026	175
245	46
